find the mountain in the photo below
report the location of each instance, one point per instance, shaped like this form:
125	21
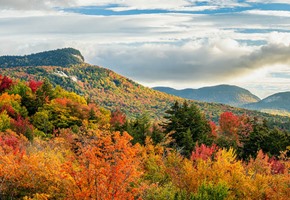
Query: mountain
276	103
111	90
225	94
59	57
185	93
235	96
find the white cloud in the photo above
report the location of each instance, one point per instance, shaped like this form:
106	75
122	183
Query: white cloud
155	4
121	5
185	8
268	80
184	64
34	4
133	4
269	1
222	3
160	4
10	14
173	5
269	13
279	38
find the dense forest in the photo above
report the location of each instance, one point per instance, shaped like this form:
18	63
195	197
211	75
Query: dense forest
55	144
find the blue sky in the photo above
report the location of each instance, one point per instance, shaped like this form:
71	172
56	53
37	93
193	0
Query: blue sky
177	43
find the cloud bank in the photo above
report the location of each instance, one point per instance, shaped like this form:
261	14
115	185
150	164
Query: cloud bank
188	64
227	42
35	4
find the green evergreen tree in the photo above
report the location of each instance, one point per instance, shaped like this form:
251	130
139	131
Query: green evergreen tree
139	129
189	126
252	142
270	140
276	141
186	143
157	135
44	94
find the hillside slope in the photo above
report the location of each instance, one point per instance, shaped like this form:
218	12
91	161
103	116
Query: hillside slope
275	103
107	88
225	94
112	91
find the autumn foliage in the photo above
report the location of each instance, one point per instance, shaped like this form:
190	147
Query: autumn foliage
34	85
67	148
107	168
5	83
118	119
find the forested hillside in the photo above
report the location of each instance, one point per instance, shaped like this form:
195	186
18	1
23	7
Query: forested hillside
100	85
54	144
113	91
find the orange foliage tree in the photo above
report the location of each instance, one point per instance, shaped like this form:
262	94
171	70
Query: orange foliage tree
27	170
107	168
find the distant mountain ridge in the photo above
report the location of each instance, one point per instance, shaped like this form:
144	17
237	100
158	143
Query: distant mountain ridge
235	96
225	94
274	103
59	57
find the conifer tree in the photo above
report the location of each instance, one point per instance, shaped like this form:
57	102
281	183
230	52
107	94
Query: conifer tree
189	126
139	128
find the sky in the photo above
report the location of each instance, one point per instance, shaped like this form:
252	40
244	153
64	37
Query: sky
175	43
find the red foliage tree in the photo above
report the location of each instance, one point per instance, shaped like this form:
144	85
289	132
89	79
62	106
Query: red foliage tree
276	166
22	126
9	109
203	152
214	128
10	141
34	85
229	124
6	83
118	119
245	125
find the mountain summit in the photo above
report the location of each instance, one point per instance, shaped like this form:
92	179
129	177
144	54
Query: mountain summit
59	57
225	94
